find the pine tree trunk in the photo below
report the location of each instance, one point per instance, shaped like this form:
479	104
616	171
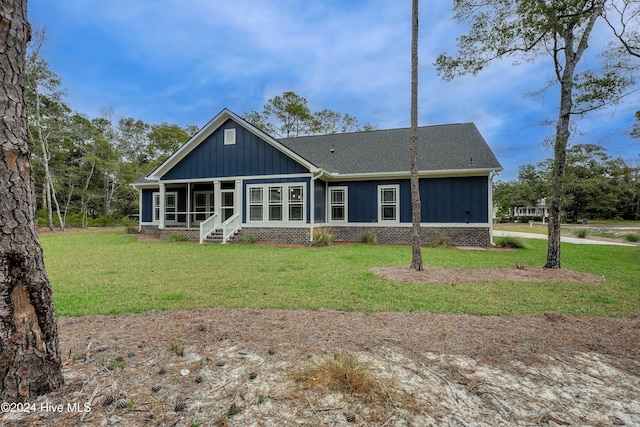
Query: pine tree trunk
29	352
416	211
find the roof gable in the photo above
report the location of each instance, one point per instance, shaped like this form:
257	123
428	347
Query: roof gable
206	155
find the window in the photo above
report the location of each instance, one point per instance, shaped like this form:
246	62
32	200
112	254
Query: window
388	202
281	203
295	203
275	203
255	203
229	137
338	204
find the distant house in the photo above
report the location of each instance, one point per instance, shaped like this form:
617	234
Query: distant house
540	210
231	179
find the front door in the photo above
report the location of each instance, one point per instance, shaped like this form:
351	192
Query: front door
202	205
227	208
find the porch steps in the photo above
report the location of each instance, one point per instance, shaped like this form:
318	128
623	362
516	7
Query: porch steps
216	237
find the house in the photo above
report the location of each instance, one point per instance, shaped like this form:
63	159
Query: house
231	180
540	210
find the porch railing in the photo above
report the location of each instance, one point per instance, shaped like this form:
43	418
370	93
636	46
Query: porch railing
208	225
230	226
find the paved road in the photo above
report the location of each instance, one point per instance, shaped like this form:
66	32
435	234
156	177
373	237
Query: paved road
565	239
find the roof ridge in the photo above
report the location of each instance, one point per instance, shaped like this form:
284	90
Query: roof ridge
375	130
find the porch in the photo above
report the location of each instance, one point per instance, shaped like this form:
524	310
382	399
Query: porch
205	208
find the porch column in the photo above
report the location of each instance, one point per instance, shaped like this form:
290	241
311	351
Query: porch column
162	202
237	199
188	205
217	197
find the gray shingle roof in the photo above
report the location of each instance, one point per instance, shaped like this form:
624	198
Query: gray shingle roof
440	148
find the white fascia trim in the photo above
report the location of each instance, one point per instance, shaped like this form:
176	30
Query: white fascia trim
140	186
236	178
335	176
208	129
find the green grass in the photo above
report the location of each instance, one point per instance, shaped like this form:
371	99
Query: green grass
111	272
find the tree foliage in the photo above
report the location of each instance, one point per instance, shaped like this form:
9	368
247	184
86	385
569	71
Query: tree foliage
559	30
83	166
597	186
288	115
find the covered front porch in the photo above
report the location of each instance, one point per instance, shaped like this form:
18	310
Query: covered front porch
206	206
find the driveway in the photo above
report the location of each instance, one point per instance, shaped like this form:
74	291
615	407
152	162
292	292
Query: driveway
564	239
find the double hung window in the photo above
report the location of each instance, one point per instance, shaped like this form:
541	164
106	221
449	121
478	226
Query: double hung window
338	204
276	203
388	203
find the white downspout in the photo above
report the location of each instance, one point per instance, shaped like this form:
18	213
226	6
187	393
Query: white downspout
312	197
490	179
162	206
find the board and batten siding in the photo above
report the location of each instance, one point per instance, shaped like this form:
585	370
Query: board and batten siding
444	200
249	156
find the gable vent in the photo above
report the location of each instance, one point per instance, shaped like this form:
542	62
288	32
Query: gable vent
229	137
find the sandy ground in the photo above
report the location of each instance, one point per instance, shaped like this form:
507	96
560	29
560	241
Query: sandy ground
240	367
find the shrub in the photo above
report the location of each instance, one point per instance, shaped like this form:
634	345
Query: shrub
632	237
102	221
130	225
581	232
511	242
177	237
249	239
370	238
322	237
441	241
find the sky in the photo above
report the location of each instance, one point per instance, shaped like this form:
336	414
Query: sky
183	61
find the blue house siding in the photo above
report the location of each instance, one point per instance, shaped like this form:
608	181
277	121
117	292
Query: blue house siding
147	204
459	199
363	199
320	200
444	200
249	156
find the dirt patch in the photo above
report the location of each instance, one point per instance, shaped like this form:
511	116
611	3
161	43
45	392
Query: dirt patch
239	367
452	276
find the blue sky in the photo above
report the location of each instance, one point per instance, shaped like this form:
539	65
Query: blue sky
182	61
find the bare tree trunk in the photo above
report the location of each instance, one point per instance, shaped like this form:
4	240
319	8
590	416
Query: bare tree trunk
29	353
416	211
565	73
55	201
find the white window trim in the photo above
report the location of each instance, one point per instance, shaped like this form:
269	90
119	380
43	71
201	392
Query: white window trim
346	204
285	204
155	219
396	187
229	137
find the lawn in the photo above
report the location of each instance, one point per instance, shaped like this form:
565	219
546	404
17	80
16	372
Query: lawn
111	272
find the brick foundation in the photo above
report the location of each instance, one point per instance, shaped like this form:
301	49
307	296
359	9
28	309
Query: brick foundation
285	235
454	236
